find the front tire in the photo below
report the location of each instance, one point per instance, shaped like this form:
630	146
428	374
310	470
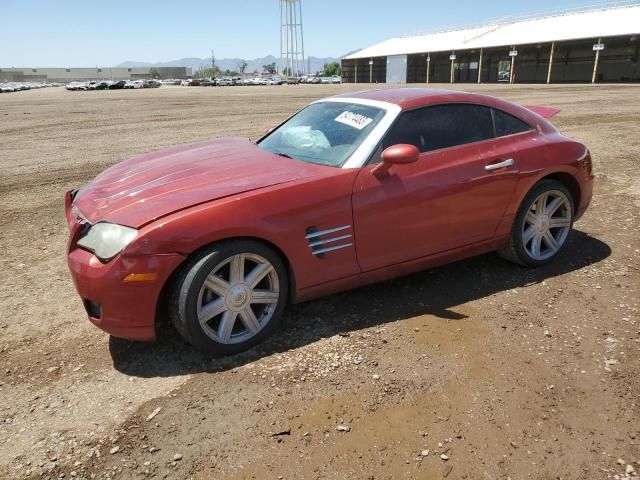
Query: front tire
541	226
229	297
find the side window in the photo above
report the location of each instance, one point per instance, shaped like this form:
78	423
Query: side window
441	126
508	124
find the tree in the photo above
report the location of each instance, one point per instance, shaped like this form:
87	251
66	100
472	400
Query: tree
270	67
154	73
287	72
207	72
331	69
242	66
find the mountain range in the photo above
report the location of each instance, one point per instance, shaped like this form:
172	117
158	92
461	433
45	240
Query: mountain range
314	64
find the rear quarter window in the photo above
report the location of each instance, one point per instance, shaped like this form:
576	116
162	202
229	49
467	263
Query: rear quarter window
507	124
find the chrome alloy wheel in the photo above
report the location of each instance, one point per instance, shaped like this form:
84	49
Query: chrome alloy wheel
546	225
238	298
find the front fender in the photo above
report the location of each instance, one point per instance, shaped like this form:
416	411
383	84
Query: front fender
280	215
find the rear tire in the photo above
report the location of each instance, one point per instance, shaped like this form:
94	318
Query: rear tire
229	297
541	226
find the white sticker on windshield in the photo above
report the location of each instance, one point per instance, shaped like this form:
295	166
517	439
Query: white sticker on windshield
354	120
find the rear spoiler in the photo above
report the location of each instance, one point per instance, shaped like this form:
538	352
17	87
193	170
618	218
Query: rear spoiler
544	112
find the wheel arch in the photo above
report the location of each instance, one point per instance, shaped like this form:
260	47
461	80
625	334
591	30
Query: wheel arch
570	182
566	176
513	246
162	319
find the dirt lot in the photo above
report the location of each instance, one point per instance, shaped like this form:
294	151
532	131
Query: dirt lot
476	370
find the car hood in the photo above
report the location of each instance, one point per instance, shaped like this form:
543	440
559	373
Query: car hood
146	187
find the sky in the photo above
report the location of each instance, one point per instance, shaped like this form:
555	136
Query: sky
70	33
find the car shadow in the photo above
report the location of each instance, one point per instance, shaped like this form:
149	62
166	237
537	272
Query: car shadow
430	292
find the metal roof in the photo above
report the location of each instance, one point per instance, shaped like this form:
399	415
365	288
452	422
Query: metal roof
600	22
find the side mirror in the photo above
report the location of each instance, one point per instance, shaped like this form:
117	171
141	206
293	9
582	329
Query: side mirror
401	153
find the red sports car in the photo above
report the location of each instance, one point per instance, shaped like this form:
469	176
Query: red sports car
353	189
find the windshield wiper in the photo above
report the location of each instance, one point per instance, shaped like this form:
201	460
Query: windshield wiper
285	155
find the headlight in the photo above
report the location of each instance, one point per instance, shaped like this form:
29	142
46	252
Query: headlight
106	240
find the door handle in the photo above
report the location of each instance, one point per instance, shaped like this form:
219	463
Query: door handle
494	166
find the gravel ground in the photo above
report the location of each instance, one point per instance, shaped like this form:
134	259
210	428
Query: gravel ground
476	370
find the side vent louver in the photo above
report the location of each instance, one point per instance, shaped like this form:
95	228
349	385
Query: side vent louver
324	241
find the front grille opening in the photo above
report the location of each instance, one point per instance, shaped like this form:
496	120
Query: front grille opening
93	309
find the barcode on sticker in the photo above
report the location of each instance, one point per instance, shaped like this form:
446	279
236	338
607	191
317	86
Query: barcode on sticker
354	120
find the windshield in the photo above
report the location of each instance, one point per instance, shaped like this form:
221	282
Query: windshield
326	133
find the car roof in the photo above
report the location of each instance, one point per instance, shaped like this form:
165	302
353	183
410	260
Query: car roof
407	98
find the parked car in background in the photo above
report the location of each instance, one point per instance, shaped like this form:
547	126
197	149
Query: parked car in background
336	79
209	82
195	82
72	86
229	231
325	80
103	85
225	82
503	75
10	87
131	84
247	81
91	85
292	81
151	83
117	85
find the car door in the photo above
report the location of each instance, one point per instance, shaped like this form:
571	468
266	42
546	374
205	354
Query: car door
454	195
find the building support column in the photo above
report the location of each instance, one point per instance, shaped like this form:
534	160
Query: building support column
595	64
480	68
553	47
513	65
371	71
355	78
453	54
428	66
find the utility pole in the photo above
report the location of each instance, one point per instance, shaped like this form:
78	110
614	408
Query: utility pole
480	68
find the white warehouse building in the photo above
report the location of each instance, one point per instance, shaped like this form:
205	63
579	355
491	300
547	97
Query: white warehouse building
596	45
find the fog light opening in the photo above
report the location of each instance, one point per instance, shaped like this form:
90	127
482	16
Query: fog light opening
93	309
